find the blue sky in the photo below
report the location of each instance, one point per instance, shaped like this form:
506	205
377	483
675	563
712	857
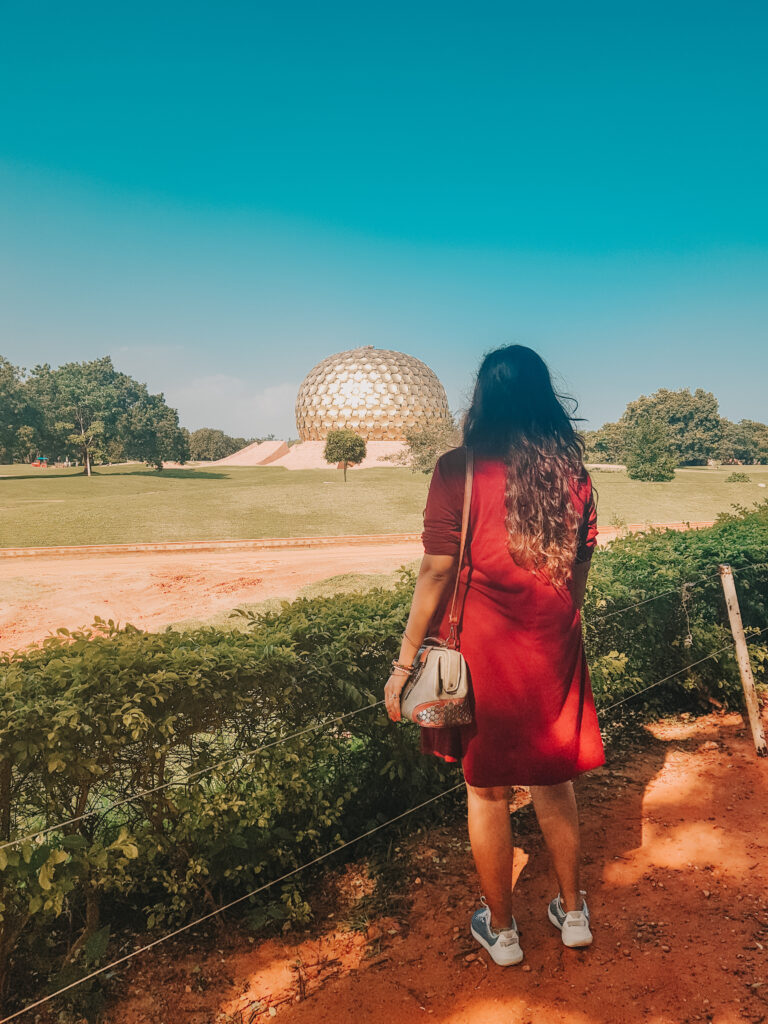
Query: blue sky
220	195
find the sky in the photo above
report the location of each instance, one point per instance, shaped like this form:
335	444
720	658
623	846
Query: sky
221	195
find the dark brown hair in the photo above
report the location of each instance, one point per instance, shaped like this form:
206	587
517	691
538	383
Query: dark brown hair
516	415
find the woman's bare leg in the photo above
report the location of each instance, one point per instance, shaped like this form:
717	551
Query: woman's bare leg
490	833
558	819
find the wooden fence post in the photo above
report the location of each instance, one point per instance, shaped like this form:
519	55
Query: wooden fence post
742	657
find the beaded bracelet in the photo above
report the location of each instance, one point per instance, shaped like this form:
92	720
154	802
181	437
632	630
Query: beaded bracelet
403	668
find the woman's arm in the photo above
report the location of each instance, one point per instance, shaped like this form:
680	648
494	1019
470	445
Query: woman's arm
435	573
580	573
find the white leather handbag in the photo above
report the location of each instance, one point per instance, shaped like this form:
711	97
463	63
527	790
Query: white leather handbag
437	693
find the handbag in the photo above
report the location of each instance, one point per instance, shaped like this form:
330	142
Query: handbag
436	695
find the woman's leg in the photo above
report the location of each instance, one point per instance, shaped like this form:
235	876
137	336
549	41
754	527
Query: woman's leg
490	834
558	819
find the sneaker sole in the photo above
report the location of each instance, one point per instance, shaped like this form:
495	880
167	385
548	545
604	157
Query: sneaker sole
488	949
569	945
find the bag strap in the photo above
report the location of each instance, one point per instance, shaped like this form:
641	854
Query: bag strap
452	617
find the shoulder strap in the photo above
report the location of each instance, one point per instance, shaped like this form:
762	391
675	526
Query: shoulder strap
452	617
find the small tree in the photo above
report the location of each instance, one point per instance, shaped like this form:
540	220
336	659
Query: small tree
344	446
424	445
648	454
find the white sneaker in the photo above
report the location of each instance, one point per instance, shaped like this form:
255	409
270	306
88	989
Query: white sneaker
504	946
573	924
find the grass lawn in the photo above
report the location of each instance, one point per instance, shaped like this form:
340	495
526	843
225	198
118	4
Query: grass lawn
122	504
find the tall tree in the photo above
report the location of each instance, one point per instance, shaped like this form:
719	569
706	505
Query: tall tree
693	422
19	419
745	441
606	444
92	410
648	453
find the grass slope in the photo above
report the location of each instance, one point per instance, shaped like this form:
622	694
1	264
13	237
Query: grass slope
123	504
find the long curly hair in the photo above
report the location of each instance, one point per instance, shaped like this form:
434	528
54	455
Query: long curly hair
517	415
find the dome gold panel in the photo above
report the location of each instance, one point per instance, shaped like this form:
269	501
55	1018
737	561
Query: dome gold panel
377	392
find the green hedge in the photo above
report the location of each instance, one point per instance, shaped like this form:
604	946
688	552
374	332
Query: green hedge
92	718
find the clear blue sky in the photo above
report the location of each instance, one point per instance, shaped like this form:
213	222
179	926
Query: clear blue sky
220	195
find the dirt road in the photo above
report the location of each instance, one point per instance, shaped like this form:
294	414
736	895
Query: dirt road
38	595
151	588
676	870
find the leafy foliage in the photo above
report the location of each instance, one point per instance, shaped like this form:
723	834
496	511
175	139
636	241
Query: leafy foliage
745	441
208	445
692	421
344	446
696	432
605	444
648	452
424	445
88	411
738	478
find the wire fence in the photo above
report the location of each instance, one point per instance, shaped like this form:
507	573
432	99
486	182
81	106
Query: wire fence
100	811
602	711
226	906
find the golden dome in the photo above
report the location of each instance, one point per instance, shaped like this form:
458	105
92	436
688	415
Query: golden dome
377	392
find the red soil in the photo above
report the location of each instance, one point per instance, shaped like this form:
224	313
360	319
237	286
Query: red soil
150	590
41	592
676	869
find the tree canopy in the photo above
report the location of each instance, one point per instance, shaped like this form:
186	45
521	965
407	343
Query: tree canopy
344	446
424	445
87	411
692	420
208	445
694	427
648	452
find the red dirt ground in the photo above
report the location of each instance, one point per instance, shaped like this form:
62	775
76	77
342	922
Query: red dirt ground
150	590
40	593
676	869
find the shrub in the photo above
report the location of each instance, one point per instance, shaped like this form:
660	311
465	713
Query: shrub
738	478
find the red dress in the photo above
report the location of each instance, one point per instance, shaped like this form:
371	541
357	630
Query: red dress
535	719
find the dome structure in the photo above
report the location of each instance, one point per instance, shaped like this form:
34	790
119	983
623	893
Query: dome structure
377	392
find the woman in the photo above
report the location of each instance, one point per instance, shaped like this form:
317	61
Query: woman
533	528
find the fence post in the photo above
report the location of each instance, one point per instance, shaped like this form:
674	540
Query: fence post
742	657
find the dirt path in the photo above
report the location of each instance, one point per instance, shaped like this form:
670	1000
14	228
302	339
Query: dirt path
676	868
38	595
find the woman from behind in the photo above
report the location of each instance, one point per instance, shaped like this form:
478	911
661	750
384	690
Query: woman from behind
532	531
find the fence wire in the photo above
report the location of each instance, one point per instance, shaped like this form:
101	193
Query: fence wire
227	906
187	778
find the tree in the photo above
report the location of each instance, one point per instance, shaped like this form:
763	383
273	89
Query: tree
344	446
18	416
648	454
605	444
94	410
424	445
151	432
745	441
692	420
209	445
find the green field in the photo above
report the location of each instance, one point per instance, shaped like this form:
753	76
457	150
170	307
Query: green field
122	504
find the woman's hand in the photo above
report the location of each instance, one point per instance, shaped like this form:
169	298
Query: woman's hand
392	691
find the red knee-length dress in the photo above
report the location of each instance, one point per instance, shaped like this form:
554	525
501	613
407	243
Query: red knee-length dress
535	719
